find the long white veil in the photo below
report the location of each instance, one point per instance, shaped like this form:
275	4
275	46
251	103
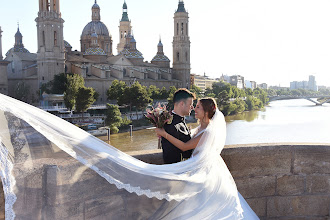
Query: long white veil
34	143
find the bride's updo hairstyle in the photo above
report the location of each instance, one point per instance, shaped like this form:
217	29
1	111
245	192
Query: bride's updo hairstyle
209	105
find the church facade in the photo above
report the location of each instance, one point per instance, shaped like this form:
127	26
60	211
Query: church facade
96	61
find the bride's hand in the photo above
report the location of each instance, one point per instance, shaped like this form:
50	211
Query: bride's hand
160	132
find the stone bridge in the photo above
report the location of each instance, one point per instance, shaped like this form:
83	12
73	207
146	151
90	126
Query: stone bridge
309	98
279	181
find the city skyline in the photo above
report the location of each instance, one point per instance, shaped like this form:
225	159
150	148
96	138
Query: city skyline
267	42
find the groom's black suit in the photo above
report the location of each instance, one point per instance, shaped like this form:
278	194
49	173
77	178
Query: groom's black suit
179	130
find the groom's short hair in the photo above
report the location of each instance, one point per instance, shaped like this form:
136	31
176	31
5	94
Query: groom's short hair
182	94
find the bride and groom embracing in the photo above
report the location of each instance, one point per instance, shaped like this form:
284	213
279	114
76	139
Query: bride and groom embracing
204	142
201	187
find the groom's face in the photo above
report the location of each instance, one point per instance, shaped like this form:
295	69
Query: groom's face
187	106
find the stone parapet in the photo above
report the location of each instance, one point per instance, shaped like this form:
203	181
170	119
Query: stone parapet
279	181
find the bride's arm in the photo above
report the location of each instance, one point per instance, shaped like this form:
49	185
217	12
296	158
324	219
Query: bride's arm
191	144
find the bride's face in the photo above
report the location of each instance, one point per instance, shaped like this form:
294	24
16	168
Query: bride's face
199	111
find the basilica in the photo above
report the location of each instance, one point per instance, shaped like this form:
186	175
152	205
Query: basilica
97	62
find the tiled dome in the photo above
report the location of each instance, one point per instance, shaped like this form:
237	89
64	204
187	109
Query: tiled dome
131	53
94	51
17	49
98	26
160	57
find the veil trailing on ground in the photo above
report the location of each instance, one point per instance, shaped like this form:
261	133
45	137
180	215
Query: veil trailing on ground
50	169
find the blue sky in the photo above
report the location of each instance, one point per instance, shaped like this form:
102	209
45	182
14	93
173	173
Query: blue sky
263	40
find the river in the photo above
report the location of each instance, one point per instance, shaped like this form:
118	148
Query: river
280	122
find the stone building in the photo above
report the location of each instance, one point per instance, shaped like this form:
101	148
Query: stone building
3	70
96	61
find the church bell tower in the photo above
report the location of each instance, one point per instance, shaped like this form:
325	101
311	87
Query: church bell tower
181	46
50	55
125	29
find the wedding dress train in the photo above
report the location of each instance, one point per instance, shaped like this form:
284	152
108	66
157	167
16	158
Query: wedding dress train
46	163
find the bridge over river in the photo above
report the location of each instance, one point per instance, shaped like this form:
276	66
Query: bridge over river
312	98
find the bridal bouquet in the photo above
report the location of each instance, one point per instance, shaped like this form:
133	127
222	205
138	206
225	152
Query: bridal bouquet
159	116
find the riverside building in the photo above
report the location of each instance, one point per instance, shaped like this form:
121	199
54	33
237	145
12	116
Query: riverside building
96	62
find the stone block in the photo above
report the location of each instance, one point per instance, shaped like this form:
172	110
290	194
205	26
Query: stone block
291	206
290	185
258	205
258	161
256	186
2	202
311	160
318	184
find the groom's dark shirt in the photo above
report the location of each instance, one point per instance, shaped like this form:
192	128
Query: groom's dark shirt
179	130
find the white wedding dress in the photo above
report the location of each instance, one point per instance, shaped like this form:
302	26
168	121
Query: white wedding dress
34	143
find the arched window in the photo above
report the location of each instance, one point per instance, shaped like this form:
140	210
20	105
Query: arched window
55	38
121	35
177	28
48	5
54	6
187	29
43	38
177	56
186	56
181	28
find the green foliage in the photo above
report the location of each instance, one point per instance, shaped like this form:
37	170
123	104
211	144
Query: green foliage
114	130
140	98
261	94
198	91
22	91
74	82
59	83
96	95
116	90
85	98
171	92
209	93
163	94
113	116
153	92
125	123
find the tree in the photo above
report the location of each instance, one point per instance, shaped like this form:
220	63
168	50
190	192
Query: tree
171	92
209	92
140	97
163	94
198	91
59	83
154	92
74	82
22	91
116	90
85	98
113	118
261	94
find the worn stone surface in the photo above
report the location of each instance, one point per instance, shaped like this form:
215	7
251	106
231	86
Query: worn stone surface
258	161
290	206
2	202
256	186
258	205
311	160
290	185
318	184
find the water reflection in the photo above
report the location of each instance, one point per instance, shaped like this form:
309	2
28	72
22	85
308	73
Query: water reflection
246	116
281	121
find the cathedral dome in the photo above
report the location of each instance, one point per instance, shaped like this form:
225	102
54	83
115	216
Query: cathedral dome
96	5
99	28
94	51
17	49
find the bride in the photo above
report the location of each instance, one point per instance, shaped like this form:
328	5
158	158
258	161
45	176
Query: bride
50	169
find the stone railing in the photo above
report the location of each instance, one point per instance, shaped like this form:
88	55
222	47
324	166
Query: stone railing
279	181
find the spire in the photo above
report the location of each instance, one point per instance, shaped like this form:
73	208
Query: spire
1	44
18	38
125	15
96	12
94	37
181	7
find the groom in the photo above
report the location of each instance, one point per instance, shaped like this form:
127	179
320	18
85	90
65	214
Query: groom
183	104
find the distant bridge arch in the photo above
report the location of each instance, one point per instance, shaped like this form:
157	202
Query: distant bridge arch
309	98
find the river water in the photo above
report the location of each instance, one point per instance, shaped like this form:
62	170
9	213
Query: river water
280	122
